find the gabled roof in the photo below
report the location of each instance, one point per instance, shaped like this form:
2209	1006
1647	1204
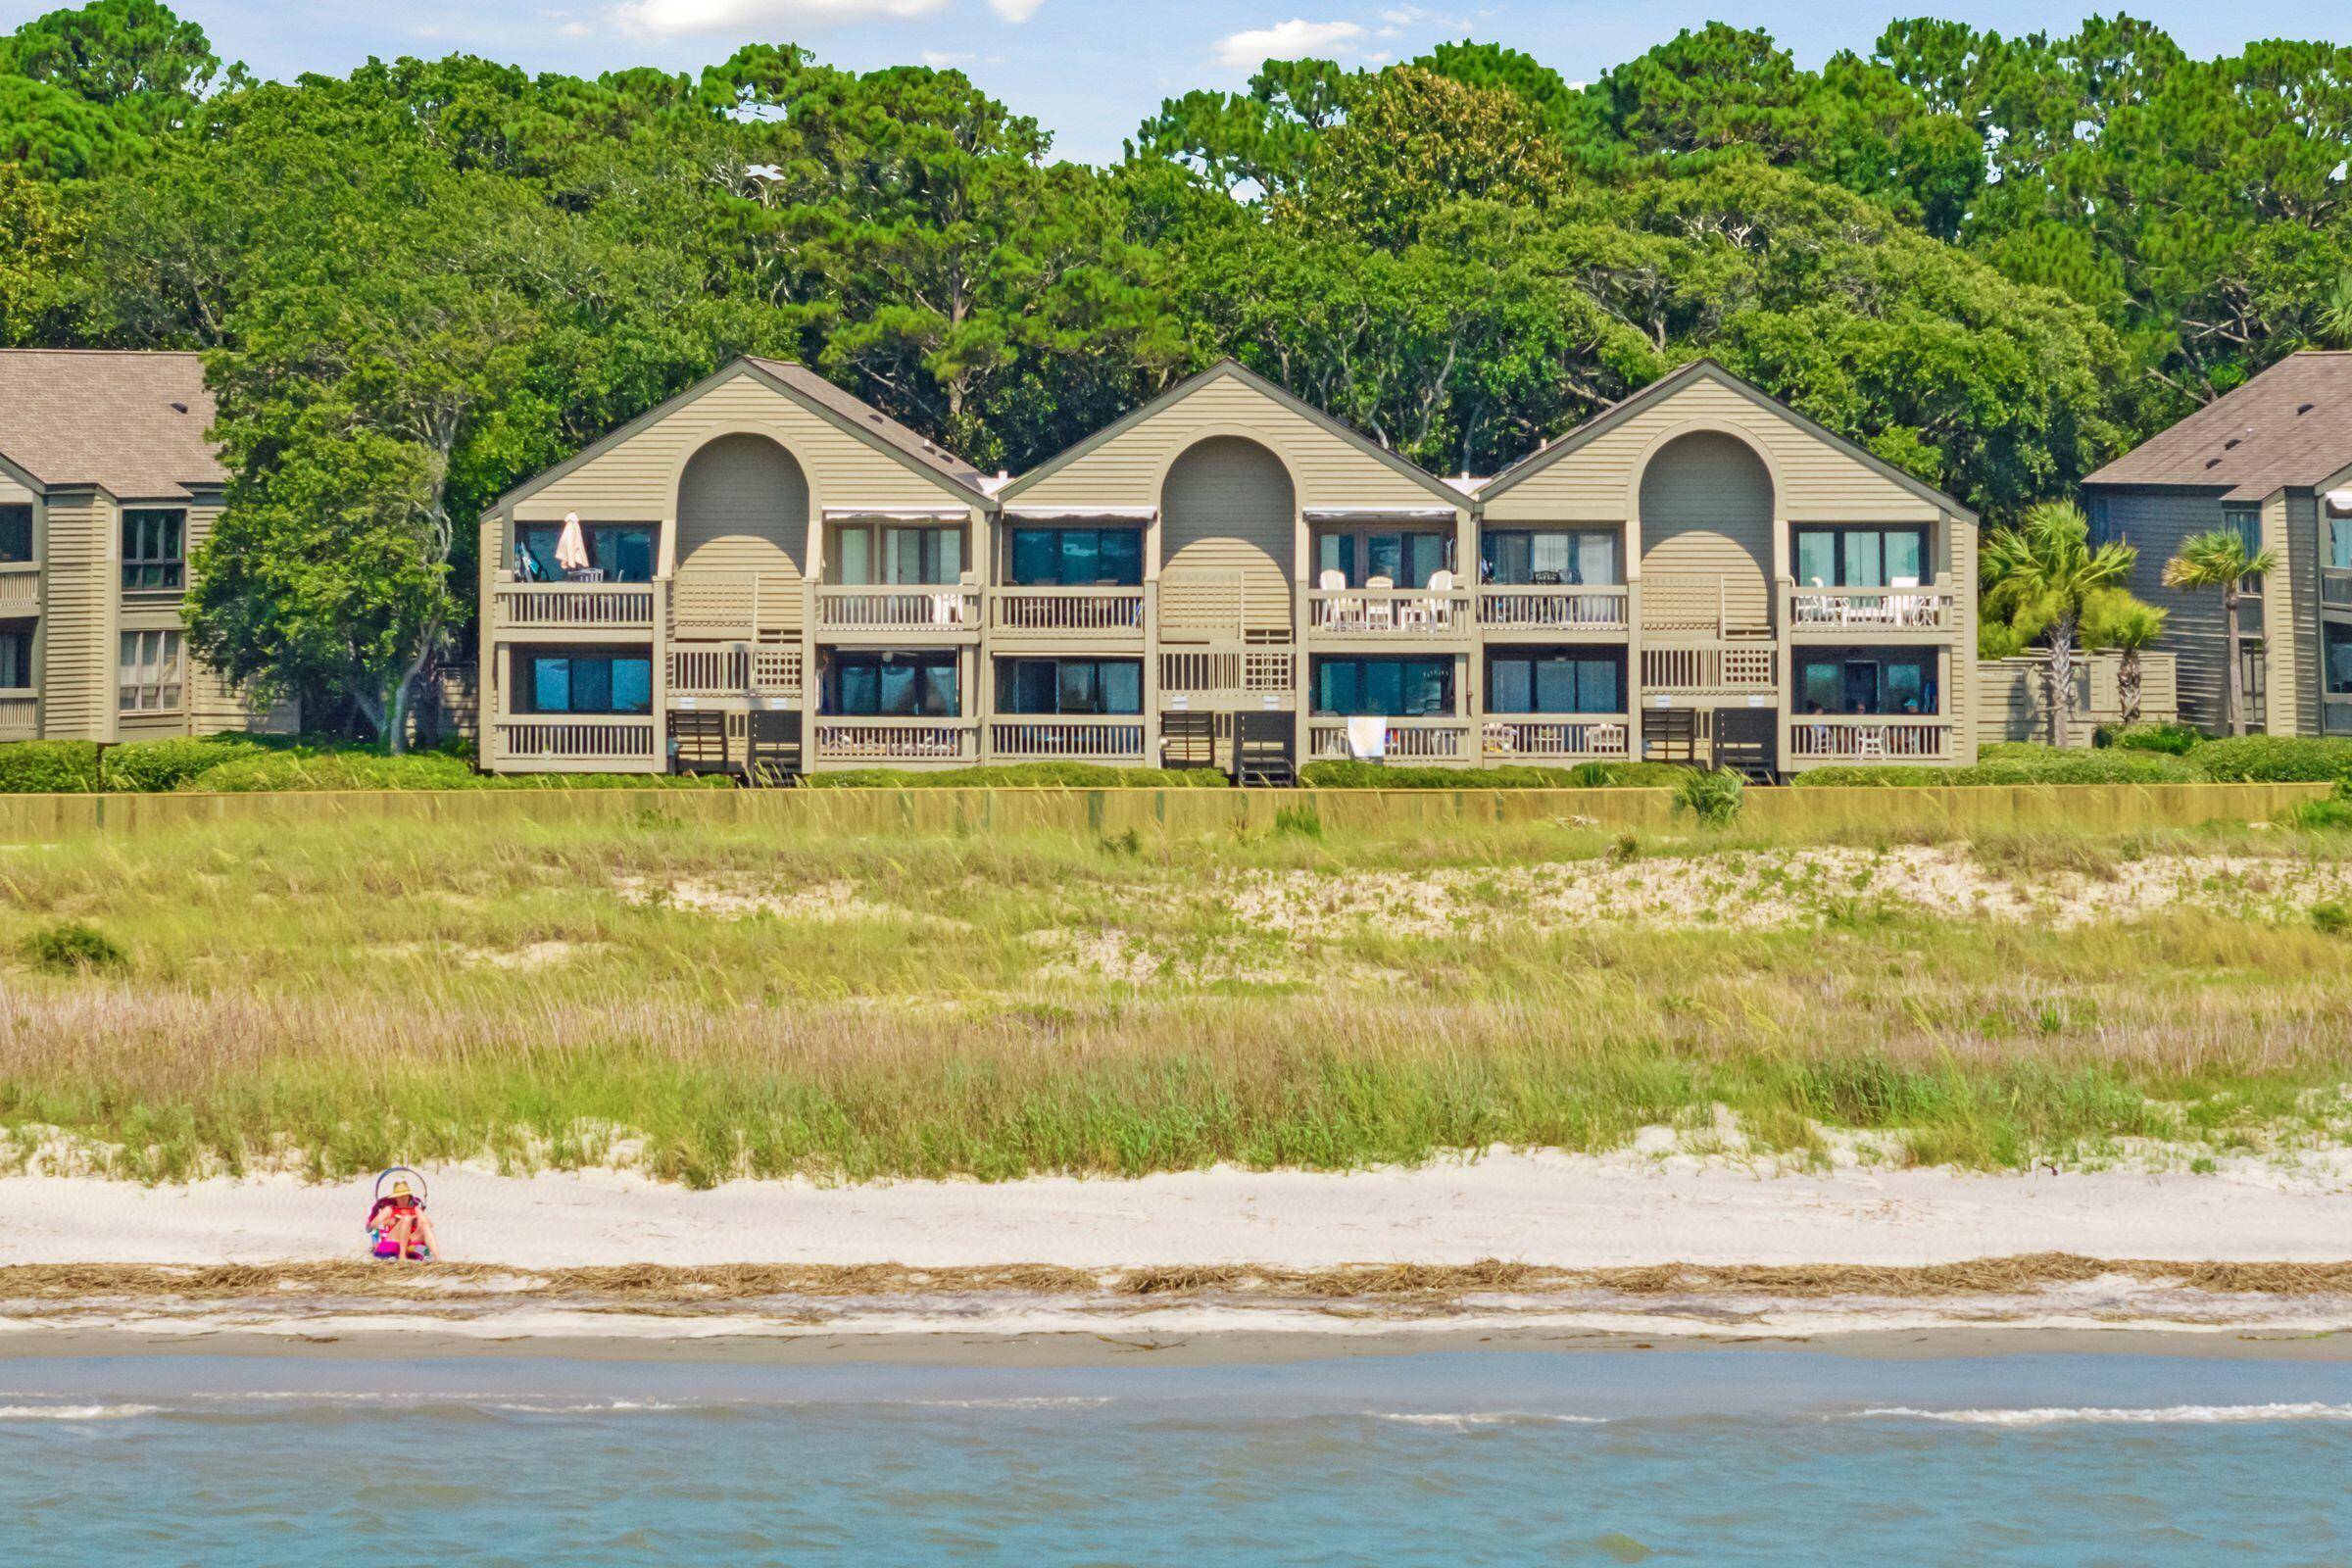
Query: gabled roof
131	422
1674	381
808	390
2290	427
1250	378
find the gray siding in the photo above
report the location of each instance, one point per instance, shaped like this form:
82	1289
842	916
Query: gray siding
2154	522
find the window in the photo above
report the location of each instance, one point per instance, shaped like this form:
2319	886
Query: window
1077	557
1544	680
1398	688
16	657
2246	523
1069	685
624	552
877	554
153	549
589	683
16	533
893	685
1362	553
1862	558
2339	543
1522	557
1857	682
151	671
2099	512
2338	657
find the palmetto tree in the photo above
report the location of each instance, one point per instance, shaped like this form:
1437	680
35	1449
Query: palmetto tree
2220	562
2115	619
2044	571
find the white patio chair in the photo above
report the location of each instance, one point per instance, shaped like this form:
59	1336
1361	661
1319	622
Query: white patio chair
1870	742
1436	612
1380	614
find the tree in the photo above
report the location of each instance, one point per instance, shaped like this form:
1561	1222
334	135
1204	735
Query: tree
2113	618
2220	563
2045	572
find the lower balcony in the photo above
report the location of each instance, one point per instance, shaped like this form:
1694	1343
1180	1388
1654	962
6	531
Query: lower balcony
20	713
1862	738
1711	671
1115	741
1586	738
754	676
887	741
579	744
1393	739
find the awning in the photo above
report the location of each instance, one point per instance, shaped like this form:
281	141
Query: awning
898	514
1083	514
2339	503
1381	513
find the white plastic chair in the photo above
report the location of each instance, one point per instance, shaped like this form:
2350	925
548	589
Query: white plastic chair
1380	614
1336	612
1436	612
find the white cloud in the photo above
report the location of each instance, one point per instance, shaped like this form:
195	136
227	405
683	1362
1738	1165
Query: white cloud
693	17
942	59
1286	40
1015	10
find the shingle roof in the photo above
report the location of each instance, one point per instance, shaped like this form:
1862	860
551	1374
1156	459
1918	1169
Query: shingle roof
132	422
815	387
2290	427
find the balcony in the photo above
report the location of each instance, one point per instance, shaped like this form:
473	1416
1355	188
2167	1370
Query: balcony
1078	740
574	606
2336	587
1693	606
897	611
1710	671
757	676
20	713
1865	610
896	740
1408	740
1402	614
579	744
19	588
1548	609
1854	738
1068	611
1223	679
1586	738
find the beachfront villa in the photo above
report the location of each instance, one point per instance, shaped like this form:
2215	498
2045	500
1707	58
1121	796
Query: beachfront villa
766	572
107	484
2272	462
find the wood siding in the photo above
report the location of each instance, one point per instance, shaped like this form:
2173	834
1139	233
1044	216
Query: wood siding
2290	613
2014	702
2154	522
1706	510
743	511
1229	514
80	657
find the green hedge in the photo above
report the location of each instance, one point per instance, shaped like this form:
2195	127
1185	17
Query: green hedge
146	768
2274	759
1582	776
2019	763
2176	740
311	767
1022	775
49	767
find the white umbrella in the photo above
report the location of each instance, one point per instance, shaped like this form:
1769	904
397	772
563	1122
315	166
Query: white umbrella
571	547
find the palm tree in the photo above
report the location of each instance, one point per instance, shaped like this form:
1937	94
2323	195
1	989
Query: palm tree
2221	561
2335	313
2043	572
2115	619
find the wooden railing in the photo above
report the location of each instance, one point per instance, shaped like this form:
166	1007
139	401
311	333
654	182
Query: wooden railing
19	712
1738	670
896	740
1544	739
574	606
943	609
2336	587
1515	608
1408	740
767	670
1870	609
1402	613
576	740
1080	611
1857	738
1249	671
736	605
1705	603
1094	739
19	588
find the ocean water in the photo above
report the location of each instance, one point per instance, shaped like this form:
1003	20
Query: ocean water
1715	1457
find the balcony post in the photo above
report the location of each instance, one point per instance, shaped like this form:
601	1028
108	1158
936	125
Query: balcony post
660	673
1150	715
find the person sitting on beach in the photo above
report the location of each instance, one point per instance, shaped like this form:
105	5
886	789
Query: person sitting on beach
400	1226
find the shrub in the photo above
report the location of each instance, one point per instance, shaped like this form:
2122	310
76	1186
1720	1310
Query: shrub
150	767
48	768
2330	918
73	947
1297	822
1022	775
314	765
2173	740
2276	759
1512	776
1714	798
2024	763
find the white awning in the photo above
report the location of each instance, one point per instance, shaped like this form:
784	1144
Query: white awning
1379	513
1083	514
898	514
2339	503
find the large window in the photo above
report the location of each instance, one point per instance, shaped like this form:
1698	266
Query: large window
1531	556
1077	557
1544	680
1360	555
153	549
151	671
1069	685
1861	558
1397	688
624	552
572	682
2339	543
16	534
2340	657
1854	681
16	657
893	685
2246	523
879	554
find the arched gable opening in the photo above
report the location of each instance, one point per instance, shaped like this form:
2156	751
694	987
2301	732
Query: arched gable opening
743	507
1706	530
1228	521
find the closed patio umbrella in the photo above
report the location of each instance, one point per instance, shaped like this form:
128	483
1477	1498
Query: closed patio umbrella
572	546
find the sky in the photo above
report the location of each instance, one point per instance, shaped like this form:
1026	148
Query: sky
1091	69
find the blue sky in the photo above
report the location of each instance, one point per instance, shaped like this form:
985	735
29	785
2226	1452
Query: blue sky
1090	69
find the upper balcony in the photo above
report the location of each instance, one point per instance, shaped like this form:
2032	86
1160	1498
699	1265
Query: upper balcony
576	610
944	612
1115	612
1845	611
1553	610
1382	613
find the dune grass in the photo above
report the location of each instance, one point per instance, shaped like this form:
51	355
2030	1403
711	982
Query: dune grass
708	1002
